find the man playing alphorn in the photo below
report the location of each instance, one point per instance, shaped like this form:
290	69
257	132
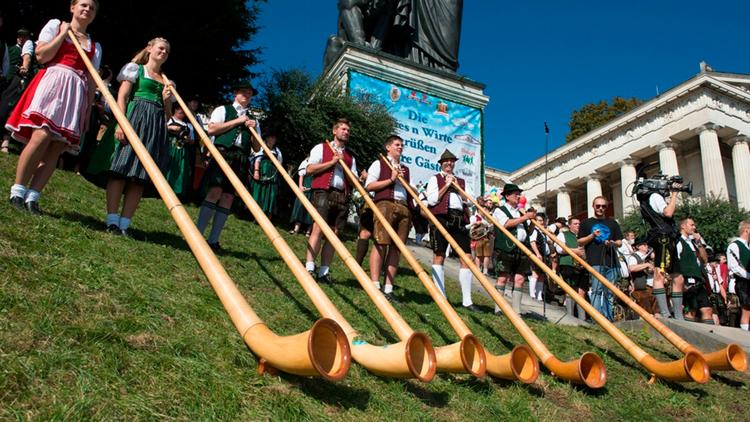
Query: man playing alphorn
450	210
391	200
330	189
512	263
230	126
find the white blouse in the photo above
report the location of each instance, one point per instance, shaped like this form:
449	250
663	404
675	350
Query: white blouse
52	28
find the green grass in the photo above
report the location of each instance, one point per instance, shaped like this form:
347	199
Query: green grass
98	327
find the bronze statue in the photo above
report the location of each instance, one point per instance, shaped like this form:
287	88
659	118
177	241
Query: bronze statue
423	31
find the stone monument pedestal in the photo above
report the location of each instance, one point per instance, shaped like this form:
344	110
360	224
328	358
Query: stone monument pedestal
434	109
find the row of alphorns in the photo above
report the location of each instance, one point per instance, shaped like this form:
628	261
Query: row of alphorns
326	350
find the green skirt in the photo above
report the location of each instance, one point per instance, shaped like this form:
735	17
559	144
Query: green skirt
266	190
180	171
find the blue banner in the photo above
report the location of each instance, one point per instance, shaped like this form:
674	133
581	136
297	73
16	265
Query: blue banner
428	125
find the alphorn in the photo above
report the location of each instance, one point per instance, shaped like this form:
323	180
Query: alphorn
690	368
588	370
732	357
520	364
411	357
323	350
394	319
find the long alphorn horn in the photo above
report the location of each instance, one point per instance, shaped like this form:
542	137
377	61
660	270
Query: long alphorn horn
322	350
519	364
589	370
690	368
732	357
412	357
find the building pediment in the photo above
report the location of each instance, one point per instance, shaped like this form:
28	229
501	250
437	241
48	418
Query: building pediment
722	92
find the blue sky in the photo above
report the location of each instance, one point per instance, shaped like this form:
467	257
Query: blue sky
541	60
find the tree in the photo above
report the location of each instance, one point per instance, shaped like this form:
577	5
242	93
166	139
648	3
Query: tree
206	54
593	115
301	113
717	220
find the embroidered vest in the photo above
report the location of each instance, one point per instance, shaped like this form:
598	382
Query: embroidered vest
385	174
227	138
324	180
441	207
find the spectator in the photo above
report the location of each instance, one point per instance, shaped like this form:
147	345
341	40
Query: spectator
264	183
718	296
641	268
181	136
300	216
366	222
601	236
540	247
18	71
480	232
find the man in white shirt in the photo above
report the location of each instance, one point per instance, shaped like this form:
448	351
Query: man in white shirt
392	201
230	127
691	256
330	194
738	261
448	207
512	263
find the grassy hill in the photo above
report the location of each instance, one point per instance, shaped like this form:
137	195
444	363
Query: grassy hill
94	326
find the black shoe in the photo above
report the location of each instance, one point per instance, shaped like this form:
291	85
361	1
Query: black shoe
125	233
17	203
312	274
471	308
216	247
325	279
33	208
114	230
391	298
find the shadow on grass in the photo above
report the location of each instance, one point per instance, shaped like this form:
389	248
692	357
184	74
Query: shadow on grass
508	345
612	355
272	276
334	394
385	334
430	398
728	381
447	339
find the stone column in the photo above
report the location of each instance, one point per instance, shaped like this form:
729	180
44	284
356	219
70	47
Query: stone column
563	203
668	159
593	189
713	168
627	181
741	164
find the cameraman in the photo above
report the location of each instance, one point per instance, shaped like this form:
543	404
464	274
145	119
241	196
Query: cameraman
662	237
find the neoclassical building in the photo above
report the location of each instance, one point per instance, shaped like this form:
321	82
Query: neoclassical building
698	129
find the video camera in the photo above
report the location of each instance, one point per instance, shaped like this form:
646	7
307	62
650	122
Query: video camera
661	184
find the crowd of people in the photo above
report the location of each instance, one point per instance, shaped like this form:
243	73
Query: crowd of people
51	106
56	110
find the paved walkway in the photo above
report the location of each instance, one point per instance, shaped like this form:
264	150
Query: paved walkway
529	307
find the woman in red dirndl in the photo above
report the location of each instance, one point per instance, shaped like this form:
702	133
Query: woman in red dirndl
51	115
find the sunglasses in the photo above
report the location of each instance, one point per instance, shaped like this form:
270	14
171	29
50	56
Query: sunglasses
600	207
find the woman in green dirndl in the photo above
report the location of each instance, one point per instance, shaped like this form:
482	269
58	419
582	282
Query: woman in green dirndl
147	100
300	216
181	153
265	180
